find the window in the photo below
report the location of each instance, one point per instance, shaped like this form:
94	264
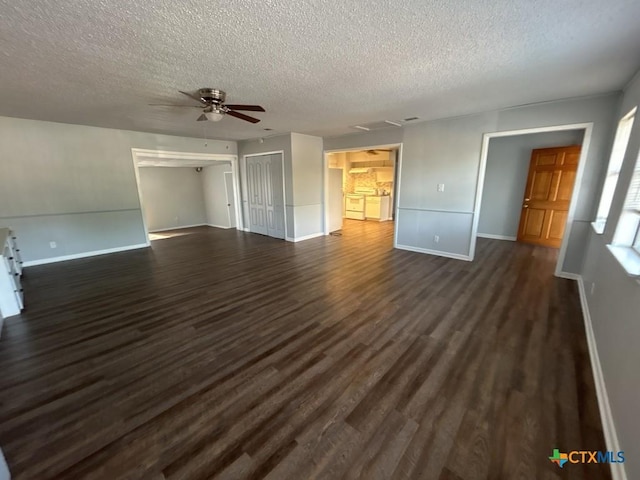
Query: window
613	170
626	242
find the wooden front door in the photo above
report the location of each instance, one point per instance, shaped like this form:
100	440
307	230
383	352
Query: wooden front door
552	173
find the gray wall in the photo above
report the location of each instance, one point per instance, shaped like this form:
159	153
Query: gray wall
215	195
614	307
307	163
506	177
448	151
4	469
172	197
303	180
75	185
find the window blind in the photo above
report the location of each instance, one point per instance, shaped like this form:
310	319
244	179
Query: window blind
633	197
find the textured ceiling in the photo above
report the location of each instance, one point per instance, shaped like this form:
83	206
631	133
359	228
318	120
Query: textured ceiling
317	66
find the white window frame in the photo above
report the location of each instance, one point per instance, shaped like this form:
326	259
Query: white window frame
616	159
626	241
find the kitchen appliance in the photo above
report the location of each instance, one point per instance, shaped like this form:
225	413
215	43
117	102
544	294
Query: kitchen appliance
356	203
355	206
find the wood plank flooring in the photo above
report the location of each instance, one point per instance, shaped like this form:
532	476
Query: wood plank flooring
222	354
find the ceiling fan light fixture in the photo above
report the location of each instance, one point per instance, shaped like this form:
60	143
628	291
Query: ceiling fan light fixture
214	116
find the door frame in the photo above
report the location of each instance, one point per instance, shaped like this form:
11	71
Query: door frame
226	191
246	227
586	142
138	154
344	199
396	187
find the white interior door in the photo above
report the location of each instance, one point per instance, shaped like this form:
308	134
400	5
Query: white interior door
228	184
336	199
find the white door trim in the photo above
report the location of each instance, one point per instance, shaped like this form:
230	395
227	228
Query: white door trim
226	193
325	175
586	141
284	189
140	154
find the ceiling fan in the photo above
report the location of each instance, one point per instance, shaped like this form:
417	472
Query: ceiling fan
213	106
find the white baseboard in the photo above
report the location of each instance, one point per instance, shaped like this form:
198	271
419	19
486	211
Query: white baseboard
217	226
618	471
75	256
180	227
497	237
439	253
305	237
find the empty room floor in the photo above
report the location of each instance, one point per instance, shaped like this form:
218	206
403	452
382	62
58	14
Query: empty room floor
222	354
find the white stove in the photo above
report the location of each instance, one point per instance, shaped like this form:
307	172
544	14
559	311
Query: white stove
356	203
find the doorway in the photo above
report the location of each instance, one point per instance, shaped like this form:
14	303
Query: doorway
360	185
228	190
550	182
181	189
508	179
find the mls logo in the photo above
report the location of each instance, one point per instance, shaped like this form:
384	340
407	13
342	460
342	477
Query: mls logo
559	458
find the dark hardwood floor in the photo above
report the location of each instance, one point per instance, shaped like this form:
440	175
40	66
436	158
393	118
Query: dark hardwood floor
222	354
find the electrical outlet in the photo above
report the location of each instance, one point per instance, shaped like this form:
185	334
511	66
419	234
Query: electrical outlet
441	187
593	287
53	244
436	238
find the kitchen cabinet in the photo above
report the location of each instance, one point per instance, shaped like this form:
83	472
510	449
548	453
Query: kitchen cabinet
384	174
377	208
11	301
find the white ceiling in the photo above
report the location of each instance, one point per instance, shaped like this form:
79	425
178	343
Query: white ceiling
317	66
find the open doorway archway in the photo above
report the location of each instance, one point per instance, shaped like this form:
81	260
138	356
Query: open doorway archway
382	172
164	158
587	128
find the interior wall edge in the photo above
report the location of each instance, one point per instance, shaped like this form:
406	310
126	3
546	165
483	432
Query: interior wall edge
618	470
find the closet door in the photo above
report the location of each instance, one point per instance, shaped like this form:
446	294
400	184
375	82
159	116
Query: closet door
256	190
274	198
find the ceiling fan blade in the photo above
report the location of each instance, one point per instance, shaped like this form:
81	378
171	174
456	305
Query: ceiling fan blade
168	105
248	108
191	95
202	118
242	116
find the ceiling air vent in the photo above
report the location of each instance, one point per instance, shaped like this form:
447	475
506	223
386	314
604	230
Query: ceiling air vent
377	125
410	119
